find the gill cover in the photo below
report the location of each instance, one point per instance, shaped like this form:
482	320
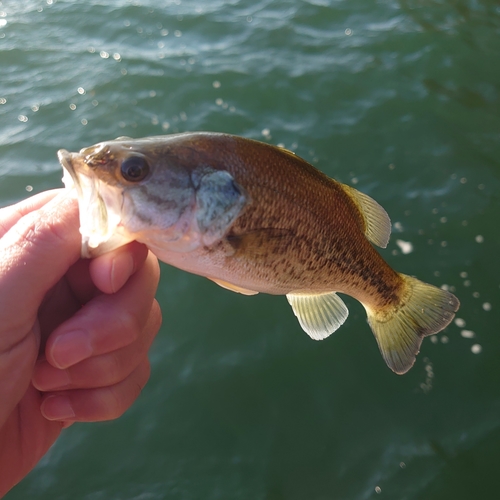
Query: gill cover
219	201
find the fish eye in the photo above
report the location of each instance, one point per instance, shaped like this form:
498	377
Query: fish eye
134	169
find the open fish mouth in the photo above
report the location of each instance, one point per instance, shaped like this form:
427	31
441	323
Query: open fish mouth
100	214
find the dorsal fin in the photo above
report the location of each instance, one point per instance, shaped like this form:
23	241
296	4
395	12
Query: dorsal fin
377	222
319	315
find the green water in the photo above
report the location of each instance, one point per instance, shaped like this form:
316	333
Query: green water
400	98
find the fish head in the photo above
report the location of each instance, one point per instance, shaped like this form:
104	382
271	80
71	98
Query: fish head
152	190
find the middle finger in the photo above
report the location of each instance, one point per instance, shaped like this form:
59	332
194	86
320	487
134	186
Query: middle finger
102	370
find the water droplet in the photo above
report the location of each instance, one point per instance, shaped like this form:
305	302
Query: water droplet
348	31
479	238
104	54
467	334
406	247
22	118
84	121
80	90
216	84
476	348
378	489
72	106
487	306
29	188
460	322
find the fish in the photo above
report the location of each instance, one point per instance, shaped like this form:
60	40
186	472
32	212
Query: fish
255	218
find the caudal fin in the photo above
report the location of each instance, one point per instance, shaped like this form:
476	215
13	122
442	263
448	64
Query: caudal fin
424	309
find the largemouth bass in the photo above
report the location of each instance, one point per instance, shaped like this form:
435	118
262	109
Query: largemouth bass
255	218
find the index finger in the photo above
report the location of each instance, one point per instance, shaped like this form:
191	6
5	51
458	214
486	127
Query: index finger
12	214
34	255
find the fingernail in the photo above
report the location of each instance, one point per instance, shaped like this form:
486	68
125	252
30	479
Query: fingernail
49	378
121	270
71	348
57	408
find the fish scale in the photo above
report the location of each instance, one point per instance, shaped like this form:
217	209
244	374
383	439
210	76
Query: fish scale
256	218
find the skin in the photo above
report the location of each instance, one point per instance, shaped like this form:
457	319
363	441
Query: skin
74	334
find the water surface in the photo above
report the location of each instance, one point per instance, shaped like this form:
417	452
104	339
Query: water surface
400	99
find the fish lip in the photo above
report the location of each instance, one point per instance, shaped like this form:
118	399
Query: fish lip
94	223
65	159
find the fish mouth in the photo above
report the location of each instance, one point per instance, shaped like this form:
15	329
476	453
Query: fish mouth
100	211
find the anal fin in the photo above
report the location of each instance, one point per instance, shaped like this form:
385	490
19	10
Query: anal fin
233	288
319	315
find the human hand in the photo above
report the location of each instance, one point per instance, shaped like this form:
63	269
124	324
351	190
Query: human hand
74	333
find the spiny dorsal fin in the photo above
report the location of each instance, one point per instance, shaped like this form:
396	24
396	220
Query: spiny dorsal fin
318	315
233	288
377	222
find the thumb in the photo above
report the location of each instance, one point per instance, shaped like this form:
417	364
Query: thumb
35	253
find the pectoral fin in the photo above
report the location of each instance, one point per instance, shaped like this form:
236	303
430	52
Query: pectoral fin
318	315
233	288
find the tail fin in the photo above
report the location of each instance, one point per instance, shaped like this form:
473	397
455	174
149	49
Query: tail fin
423	310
